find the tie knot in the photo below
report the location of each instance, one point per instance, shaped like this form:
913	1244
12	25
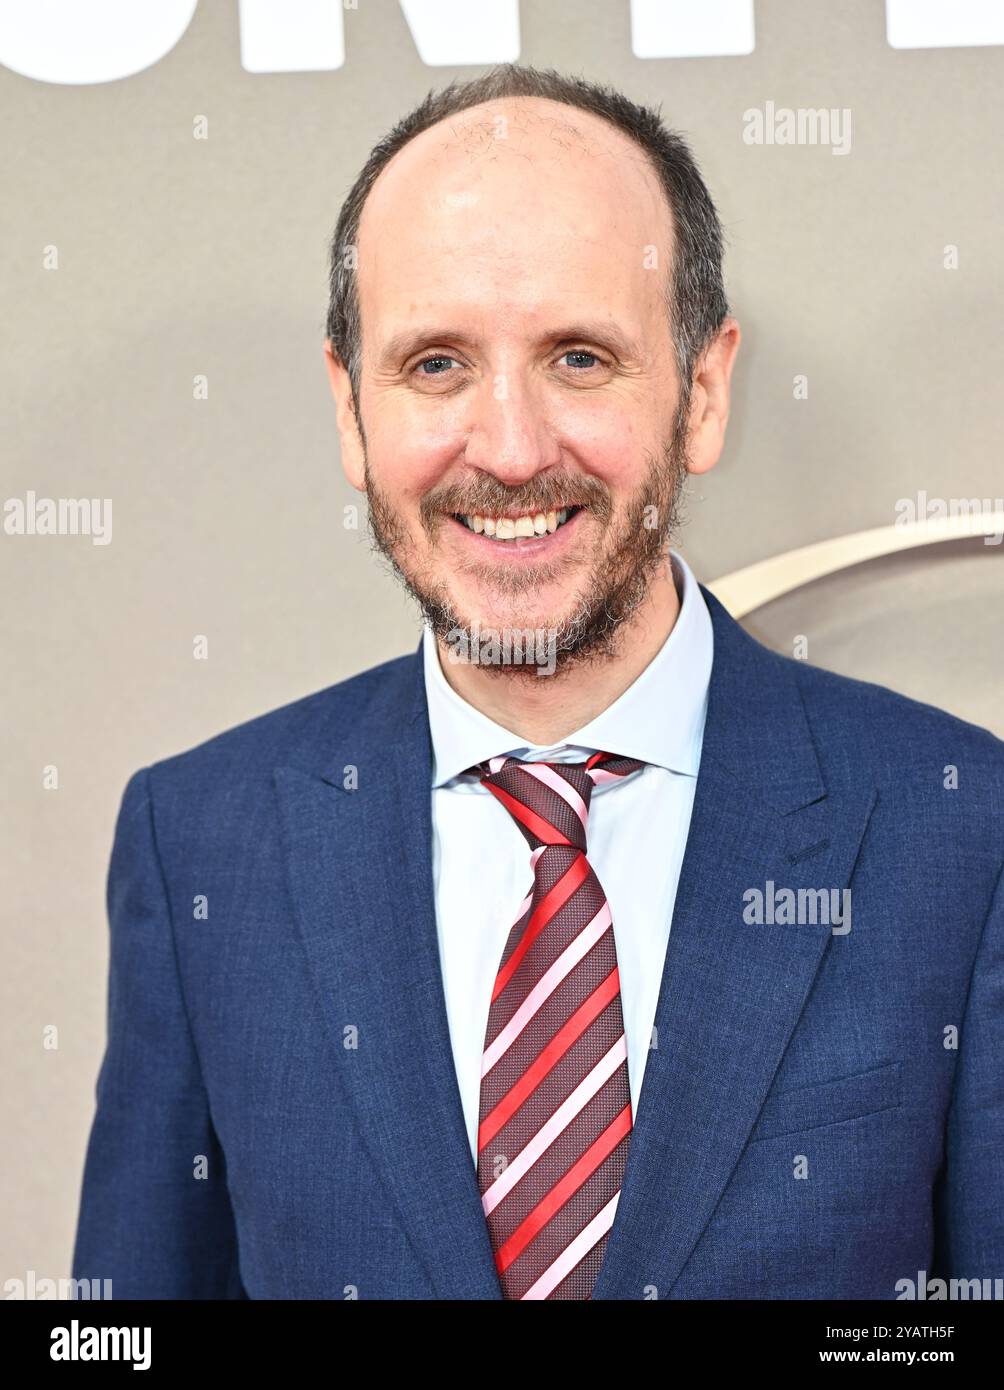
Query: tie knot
550	801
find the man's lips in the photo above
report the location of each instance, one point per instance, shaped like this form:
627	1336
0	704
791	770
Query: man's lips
519	548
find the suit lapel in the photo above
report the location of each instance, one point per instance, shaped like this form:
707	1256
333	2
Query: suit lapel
359	866
361	878
731	993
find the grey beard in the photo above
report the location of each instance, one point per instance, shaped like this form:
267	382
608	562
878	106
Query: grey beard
618	581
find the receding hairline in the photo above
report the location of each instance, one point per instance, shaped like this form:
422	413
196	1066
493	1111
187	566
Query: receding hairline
694	290
618	143
532	106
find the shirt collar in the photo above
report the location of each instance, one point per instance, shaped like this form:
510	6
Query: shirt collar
658	719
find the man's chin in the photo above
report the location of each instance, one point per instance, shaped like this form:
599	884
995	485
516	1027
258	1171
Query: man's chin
568	612
534	583
554	609
510	638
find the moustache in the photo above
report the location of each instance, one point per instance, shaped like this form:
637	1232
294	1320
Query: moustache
489	497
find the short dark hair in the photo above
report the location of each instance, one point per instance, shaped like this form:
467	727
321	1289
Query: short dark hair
695	292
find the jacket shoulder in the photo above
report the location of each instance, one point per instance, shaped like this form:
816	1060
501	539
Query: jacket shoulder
883	730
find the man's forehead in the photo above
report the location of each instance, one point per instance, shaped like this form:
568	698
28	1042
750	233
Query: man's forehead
462	237
520	142
537	287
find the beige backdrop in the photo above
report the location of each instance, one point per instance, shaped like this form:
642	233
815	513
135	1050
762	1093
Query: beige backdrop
179	258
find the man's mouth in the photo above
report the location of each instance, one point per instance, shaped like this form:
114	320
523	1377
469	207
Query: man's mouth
513	528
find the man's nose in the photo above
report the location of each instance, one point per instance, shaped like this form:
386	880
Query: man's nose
509	435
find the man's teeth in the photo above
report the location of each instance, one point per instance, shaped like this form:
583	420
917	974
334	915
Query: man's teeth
507	528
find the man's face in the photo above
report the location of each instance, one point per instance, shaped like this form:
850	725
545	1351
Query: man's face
525	430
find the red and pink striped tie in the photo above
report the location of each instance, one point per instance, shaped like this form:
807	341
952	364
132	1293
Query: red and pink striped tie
555	1117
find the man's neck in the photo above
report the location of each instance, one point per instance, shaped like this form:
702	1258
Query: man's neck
546	709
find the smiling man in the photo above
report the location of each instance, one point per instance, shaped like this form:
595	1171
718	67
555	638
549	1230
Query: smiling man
523	408
471	1002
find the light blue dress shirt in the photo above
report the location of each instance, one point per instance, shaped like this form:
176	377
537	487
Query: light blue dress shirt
637	834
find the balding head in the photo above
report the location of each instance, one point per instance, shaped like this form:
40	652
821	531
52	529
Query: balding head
696	305
517	207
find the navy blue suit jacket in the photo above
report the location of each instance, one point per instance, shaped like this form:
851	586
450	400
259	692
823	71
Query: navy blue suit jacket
822	1114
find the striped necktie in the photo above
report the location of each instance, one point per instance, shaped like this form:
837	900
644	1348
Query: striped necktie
555	1116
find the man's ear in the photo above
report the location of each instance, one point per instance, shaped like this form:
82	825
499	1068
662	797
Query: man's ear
709	402
353	456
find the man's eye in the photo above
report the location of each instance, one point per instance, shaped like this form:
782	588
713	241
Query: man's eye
581	358
433	364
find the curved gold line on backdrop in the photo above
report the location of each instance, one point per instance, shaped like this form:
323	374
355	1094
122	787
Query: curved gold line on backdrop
747	589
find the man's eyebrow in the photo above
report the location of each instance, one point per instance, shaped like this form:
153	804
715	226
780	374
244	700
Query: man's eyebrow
408	340
599	331
402	344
